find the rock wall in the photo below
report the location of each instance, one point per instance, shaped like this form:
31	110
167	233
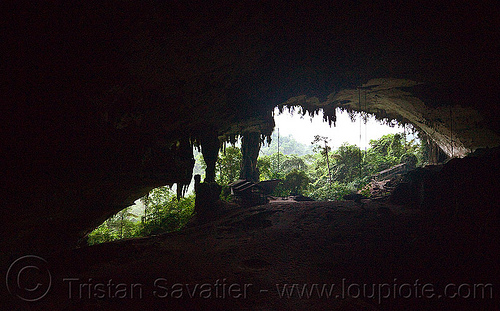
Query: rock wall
461	189
457	130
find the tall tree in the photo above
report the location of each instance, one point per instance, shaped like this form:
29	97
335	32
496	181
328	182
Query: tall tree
347	163
324	150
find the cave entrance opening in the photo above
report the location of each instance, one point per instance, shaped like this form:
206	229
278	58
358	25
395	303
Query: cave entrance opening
358	147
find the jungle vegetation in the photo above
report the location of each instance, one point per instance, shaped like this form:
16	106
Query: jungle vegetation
315	171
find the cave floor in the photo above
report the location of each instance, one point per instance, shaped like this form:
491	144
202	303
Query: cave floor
372	256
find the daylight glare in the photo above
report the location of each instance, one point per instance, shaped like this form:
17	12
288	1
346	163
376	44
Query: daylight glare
303	128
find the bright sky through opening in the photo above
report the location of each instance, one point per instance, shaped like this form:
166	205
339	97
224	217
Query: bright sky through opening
303	129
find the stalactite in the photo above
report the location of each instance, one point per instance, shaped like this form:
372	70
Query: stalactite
184	152
312	109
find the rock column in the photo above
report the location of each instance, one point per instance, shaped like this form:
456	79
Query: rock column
210	148
250	146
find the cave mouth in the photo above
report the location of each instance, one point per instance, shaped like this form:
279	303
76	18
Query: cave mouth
351	128
448	131
378	102
356	143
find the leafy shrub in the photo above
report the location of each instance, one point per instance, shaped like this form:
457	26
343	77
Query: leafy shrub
295	182
167	214
334	191
101	234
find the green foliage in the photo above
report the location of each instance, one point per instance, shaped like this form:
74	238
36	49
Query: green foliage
396	148
276	163
375	162
308	174
293	162
276	166
163	213
348	161
281	190
119	226
265	168
390	150
324	191
295	182
225	194
227	167
382	146
351	167
318	143
101	234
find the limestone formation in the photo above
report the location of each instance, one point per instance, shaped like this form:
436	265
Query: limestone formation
250	146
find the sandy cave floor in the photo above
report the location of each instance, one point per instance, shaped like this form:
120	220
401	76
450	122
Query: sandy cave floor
342	256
